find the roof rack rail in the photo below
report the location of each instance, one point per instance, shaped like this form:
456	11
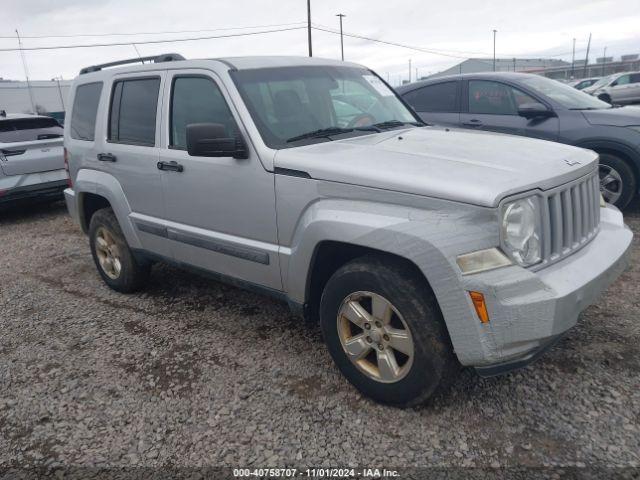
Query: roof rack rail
165	57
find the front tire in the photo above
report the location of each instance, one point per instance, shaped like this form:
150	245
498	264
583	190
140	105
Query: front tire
618	183
385	331
113	258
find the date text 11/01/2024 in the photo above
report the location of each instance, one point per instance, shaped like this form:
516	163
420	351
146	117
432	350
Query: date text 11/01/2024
314	473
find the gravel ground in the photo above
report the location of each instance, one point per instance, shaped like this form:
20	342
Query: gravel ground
195	373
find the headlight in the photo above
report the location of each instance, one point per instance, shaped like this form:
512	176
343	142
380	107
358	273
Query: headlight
521	231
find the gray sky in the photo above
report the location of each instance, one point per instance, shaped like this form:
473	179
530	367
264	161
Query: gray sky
460	28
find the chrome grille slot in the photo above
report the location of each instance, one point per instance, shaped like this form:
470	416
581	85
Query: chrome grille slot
556	221
567	219
570	218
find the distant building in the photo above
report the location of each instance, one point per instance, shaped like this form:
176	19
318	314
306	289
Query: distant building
49	96
476	65
602	67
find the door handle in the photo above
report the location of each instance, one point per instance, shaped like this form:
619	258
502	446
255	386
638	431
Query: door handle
472	123
106	157
171	166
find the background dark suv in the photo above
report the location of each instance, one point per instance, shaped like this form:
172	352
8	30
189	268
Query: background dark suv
534	106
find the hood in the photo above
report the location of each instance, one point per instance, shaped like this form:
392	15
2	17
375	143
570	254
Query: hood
614	117
473	167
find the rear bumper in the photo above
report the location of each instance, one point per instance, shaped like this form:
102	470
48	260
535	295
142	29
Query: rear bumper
530	311
39	191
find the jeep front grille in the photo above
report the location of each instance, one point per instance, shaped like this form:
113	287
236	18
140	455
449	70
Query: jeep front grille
570	217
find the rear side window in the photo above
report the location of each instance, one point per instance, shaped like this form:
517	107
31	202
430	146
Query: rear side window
623	80
28	129
85	109
197	100
441	97
132	116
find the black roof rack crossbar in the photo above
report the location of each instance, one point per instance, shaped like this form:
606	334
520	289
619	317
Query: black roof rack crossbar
165	57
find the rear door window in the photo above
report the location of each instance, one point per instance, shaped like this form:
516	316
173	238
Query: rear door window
85	109
132	117
623	80
441	97
29	129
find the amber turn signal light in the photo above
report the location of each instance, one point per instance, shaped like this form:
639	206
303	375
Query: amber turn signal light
481	307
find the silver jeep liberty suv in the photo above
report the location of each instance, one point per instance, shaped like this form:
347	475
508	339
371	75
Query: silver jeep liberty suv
418	248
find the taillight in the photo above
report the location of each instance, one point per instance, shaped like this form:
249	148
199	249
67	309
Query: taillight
66	167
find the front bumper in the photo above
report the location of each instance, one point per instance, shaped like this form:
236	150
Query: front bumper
530	311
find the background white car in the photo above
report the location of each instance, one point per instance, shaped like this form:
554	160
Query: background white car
619	88
31	158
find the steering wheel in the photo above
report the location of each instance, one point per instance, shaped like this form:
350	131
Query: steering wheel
362	120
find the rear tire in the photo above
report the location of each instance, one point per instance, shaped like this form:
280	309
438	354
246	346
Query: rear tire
113	258
618	183
427	366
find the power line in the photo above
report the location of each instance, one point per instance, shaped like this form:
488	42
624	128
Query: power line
435	51
444	52
148	42
396	44
114	34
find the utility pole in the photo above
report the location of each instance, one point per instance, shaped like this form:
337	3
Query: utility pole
341	39
573	57
57	80
514	64
409	70
26	73
586	59
604	60
417	74
309	26
494	49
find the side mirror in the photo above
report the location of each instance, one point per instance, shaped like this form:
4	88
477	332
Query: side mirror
211	140
534	110
613	84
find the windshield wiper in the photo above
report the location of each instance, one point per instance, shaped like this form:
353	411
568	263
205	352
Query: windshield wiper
323	132
397	123
389	124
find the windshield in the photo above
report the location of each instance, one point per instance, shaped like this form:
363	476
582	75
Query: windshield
305	104
565	95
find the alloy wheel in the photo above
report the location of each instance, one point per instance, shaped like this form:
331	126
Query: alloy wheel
610	183
108	253
375	337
